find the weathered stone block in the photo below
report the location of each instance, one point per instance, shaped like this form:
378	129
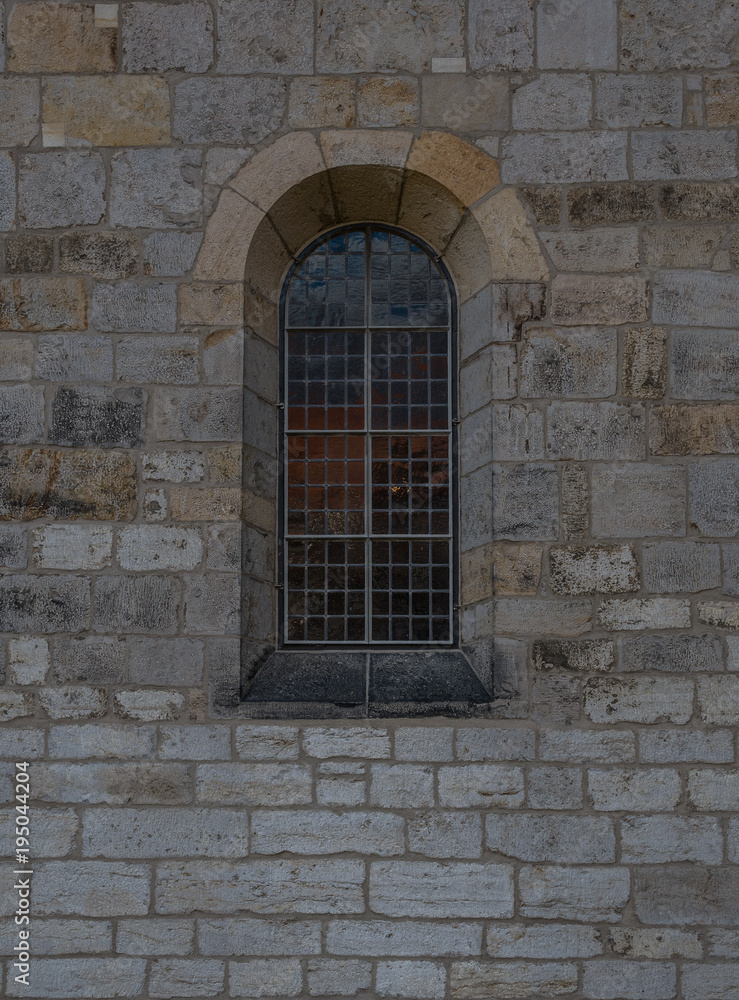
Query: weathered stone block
165	661
647	942
158	359
12	546
93	889
680	895
699	202
401	786
516	569
128	833
269	39
402	938
432	889
674	567
724	614
386	40
61	189
682	246
607	203
149	706
713	790
250	936
564	157
498	785
575	502
696	298
150	547
411	979
254	784
464	103
72	546
42	482
655	612
321	102
644	362
601	569
27	254
550	941
634	501
110	418
660	839
553	101
693	35
721	102
622	790
198	414
19	112
712	489
28	660
387	101
692	155
671	653
521	616
233	109
525	502
324	832
85	977
21	414
170	254
569	839
577	35
710	982
595	430
59	38
44	603
332	977
136	604
265	977
573	892
194	743
219	504
584	655
603	250
569	363
102	740
7	191
109	111
612	978
157	38
544	203
211	304
553	788
156	188
704	364
665	746
495	744
722	944
517	434
135	308
501	35
104	255
155	936
174	466
594	300
437	834
556	698
639	699
627	101
16	359
92	660
497	979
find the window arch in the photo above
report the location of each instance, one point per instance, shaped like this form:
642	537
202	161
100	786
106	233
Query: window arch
368	498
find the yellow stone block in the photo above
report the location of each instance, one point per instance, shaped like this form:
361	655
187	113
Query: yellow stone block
109	111
60	38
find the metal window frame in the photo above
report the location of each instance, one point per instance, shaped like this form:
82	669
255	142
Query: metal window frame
369	644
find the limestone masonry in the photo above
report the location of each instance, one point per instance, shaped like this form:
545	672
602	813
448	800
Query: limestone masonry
574	164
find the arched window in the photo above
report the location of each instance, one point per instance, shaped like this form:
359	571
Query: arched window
368	526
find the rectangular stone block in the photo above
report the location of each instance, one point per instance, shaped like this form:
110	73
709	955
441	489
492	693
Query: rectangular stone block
366	741
593	300
156	188
16	359
671	653
555	788
229	109
148	706
690	155
704	364
92	889
608	203
406	979
568	363
321	102
130	833
582	431
155	936
497	979
19	111
608	979
198	414
573	892
109	111
71	358
720	99
638	500
254	784
194	742
7	197
135	308
44	603
551	941
401	786
387	101
36	304
61	189
136	604
72	546
59	38
27	253
324	832
170	254
626	101
102	740
501	36
694	430
21	414
113	783
712	790
96	978
495	785
674	567
249	936
655	943
174	466
525	502
661	839
707	481
695	298
519	616
600	569
699	202
402	938
218	504
516	434
158	359
297	886
495	744
98	415
569	839
265	977
718	698
655	612
718	981
682	246
599	250
63	937
165	661
464	103
435	889
679	895
13	546
151	547
664	746
587	746
157	39
639	699
553	101
631	790
564	158
256	742
445	835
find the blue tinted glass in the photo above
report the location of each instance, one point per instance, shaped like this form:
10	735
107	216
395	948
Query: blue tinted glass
328	288
407	288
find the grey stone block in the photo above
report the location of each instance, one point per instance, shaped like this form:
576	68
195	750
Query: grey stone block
402	938
674	567
718	698
63	358
694	35
104	255
681	895
325	832
525	502
564	158
435	889
495	744
517	433
212	604
13	544
401	978
671	653
148	706
622	790
157	38
228	110
582	431
21	414
235	936
61	189
16	359
275	976
587	746
600	250
619	978
601	204
93	659
584	655
199	414
170	254
639	699
603	569
155	936
713	789
695	298
661	839
550	941
130	833
577	35
101	416
731	568
634	501
332	977
165	661
7	191
136	604
44	604
93	889
704	364
113	783
501	35
574	892
152	547
498	785
271	38
437	834
19	111
714	501
254	784
464	103
156	188
690	155
553	101
554	788
401	786
569	839
627	101
83	977
135	308
569	363
709	982
194	742
102	740
664	746
158	359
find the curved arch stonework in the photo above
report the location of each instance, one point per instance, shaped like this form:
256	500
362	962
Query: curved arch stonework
447	192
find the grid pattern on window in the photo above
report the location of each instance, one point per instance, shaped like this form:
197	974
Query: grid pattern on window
368	499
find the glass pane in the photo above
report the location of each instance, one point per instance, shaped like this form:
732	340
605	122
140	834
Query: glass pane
410	380
411	588
407	288
325	591
328	288
410	485
325	485
325	381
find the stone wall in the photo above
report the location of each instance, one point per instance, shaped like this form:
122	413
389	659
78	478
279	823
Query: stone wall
575	164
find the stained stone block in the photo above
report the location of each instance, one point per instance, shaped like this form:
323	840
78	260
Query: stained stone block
19	112
512	305
61	189
576	34
387	101
212	604
644	362
501	35
628	101
228	110
694	430
674	567
695	298
198	414
579	892
516	569
135	308
170	254
583	655
104	255
568	363
565	157
604	203
517	434
699	202
522	616
582	431
612	700
72	546
575	502
321	102
28	254
16	359
59	38
44	603
600	250
136	604
109	111
722	106
92	660
582	300
600	569
21	414
544	204
272	37
683	246
158	359
638	500
33	304
464	103
387	39
63	358
106	417
713	489
691	155
13	546
525	502
158	37
704	364
156	188
693	34
671	653
553	101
